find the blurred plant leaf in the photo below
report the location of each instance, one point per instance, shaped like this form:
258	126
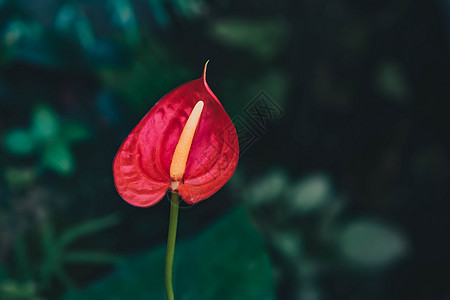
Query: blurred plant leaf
84	31
267	189
65	16
58	157
22	257
188	8
164	10
44	123
274	82
290	244
14	31
19	142
310	193
72	20
391	82
229	254
159	12
264	38
107	53
52	255
74	131
369	243
88	228
125	18
353	38
34	45
91	257
3	273
12	290
57	254
19	178
139	84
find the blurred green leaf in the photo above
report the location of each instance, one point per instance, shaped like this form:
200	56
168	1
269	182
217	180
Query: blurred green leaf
264	39
159	12
267	189
88	228
140	84
225	262
84	31
310	193
19	142
29	41
125	17
12	290
65	17
91	257
58	157
274	82
289	244
22	258
188	8
18	178
369	243
73	131
13	32
390	81
52	253
44	123
353	38
3	273
56	254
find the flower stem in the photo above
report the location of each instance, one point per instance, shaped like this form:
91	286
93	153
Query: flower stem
171	244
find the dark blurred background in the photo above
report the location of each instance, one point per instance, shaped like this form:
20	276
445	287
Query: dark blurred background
342	113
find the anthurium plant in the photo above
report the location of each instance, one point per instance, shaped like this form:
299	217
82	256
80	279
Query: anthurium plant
186	144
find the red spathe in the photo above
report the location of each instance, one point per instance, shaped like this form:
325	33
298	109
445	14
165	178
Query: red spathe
142	164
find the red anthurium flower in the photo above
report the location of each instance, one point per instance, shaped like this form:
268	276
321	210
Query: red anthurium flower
186	142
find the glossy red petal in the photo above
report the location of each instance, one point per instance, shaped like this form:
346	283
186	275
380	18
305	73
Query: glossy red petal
133	185
199	188
143	161
214	153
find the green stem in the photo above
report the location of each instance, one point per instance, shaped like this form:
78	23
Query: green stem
171	244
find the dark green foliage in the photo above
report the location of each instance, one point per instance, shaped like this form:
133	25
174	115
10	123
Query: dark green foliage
55	256
226	261
49	138
348	186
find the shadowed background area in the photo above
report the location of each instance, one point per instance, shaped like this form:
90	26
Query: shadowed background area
342	113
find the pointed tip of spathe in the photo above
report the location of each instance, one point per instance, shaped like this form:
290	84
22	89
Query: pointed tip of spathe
204	77
205	84
204	70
